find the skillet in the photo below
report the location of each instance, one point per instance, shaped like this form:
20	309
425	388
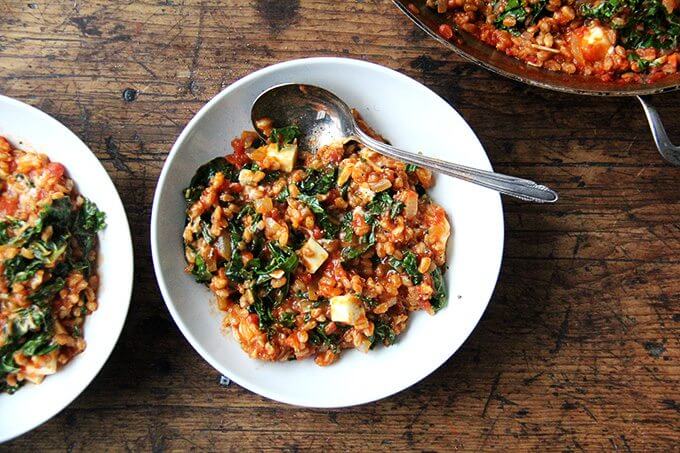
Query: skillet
489	58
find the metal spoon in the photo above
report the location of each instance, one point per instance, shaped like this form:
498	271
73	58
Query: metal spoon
324	118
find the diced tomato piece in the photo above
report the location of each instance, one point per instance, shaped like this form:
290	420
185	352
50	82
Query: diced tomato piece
239	158
237	146
56	169
8	205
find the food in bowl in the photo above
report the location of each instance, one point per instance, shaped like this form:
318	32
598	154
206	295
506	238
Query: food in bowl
309	254
613	40
48	275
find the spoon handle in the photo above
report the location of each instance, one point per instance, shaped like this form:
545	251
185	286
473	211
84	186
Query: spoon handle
523	189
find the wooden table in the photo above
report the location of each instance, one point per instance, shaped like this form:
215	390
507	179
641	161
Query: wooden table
578	349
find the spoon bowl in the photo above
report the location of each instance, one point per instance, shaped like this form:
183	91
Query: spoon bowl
319	114
323	118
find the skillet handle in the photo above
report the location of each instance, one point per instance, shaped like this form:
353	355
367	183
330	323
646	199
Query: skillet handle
669	151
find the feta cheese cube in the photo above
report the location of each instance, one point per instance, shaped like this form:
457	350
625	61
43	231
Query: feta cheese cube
285	156
250	178
312	255
346	309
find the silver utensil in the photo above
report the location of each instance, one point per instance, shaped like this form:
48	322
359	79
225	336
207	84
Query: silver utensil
324	118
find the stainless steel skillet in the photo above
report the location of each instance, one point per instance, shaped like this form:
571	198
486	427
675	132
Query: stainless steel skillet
489	58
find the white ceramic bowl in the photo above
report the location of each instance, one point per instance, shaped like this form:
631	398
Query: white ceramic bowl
30	129
410	116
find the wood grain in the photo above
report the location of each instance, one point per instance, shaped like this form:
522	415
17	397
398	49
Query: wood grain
578	349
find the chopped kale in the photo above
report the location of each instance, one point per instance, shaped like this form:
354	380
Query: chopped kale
41	344
48	290
287	319
20	269
318	181
285	135
396	209
380	203
639	23
344	190
382	333
408	264
329	227
205	172
252	166
200	270
368	301
282	258
90	218
318	337
264	313
439	299
523	12
6	228
271	176
28	330
346	226
283	195
349	253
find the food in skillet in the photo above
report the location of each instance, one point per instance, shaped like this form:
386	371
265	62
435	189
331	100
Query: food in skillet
48	278
613	40
309	254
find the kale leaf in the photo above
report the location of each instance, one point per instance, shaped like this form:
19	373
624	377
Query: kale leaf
524	13
200	270
318	182
285	135
324	220
439	298
318	337
283	195
46	291
382	333
202	177
287	319
408	264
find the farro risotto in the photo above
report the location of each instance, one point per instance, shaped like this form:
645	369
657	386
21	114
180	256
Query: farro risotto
309	254
48	279
613	40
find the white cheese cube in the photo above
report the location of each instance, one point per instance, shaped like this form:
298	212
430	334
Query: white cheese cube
250	178
346	309
312	255
285	156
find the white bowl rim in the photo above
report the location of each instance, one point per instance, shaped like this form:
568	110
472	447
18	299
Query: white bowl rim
232	374
129	277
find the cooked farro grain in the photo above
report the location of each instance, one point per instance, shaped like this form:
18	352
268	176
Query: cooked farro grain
614	40
48	279
311	254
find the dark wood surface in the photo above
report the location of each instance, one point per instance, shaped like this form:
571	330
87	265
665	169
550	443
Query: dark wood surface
578	349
